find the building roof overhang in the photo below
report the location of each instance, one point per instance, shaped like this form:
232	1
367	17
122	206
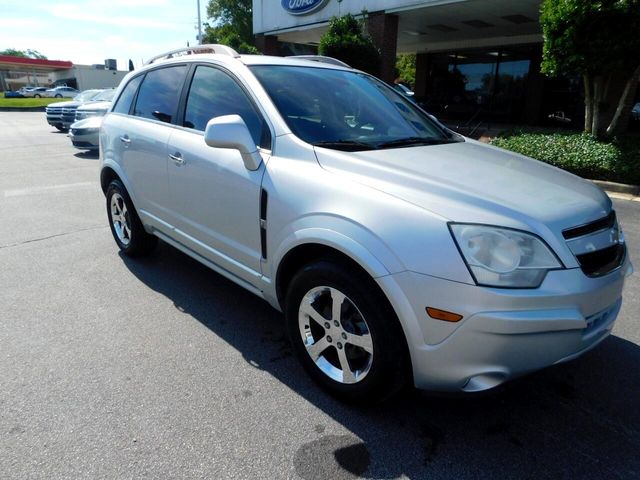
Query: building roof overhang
16	63
436	25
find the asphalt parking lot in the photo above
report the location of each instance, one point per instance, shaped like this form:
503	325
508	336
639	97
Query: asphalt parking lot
160	368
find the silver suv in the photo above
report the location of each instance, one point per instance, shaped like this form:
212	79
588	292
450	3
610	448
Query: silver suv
398	250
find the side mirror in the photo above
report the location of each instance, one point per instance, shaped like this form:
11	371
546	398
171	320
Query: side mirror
230	131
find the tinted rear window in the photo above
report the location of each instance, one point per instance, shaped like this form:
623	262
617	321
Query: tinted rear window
159	93
123	105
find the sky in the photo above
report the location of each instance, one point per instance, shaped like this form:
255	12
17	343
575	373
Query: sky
89	31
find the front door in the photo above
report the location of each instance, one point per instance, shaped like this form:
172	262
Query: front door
216	200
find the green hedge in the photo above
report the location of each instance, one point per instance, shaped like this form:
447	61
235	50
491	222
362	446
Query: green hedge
617	160
29	102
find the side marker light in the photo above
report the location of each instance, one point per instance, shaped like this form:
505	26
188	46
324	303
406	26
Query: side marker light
443	315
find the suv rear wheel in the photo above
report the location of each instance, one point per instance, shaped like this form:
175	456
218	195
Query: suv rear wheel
125	224
346	336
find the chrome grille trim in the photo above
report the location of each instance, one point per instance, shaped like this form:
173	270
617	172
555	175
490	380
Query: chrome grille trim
598	246
601	224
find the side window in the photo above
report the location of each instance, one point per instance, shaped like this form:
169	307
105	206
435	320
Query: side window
160	93
123	105
213	93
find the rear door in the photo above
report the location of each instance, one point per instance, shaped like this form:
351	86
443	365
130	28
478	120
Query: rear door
138	133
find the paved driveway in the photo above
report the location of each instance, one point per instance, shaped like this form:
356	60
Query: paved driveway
160	368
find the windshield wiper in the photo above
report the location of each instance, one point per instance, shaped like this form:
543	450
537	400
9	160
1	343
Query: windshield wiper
345	145
408	141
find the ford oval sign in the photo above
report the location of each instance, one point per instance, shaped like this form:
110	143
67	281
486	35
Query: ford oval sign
302	7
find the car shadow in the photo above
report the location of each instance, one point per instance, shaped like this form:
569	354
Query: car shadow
87	155
577	420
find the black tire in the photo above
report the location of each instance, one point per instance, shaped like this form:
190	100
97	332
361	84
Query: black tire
58	95
37	95
126	227
387	367
61	129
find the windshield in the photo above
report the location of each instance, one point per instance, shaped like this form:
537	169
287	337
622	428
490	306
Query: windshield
86	95
105	95
347	110
401	88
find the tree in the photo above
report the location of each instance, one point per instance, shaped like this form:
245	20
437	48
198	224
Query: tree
227	35
232	25
28	53
345	40
406	66
598	40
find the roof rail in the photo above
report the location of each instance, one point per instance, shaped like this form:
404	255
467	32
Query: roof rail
207	48
321	59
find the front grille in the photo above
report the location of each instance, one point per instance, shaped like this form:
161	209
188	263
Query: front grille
601	262
54	112
598	246
601	224
69	114
82	114
83	131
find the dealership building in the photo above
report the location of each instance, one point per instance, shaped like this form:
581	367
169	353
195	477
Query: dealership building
17	72
475	59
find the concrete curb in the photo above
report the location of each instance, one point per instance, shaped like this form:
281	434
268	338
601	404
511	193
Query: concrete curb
633	190
22	109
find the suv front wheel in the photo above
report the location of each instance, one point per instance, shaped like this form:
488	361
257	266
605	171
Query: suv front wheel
125	224
346	336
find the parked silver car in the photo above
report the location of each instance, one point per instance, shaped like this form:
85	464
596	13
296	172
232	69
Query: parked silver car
61	92
85	134
62	114
34	92
396	248
97	107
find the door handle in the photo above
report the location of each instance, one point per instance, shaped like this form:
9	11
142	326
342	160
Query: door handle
177	159
125	139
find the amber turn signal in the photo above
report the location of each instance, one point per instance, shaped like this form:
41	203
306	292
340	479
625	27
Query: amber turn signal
443	315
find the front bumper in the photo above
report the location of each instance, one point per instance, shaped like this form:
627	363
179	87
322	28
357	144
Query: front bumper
84	139
504	333
55	121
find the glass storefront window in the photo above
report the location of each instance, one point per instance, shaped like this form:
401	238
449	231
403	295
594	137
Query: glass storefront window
477	75
15	79
487	84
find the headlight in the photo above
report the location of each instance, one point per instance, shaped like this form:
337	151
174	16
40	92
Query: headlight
501	257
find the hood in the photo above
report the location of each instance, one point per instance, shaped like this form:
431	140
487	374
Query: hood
473	182
91	122
95	106
64	104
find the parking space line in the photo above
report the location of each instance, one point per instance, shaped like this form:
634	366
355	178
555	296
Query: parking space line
48	237
48	188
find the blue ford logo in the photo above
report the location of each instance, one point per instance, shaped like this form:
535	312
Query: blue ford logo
302	7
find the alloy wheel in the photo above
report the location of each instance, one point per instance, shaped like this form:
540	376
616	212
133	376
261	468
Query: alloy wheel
120	219
335	335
